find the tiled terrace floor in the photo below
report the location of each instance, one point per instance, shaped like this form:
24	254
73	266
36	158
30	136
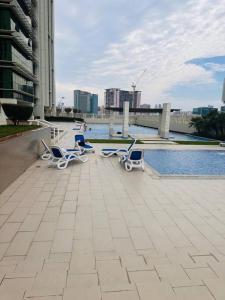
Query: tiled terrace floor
95	232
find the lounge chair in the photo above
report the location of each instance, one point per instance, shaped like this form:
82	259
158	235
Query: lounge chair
60	157
222	144
135	159
47	152
81	144
107	152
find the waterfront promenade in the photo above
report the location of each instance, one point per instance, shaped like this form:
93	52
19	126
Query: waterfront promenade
96	232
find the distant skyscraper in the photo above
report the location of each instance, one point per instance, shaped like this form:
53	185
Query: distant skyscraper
203	111
145	106
86	102
115	97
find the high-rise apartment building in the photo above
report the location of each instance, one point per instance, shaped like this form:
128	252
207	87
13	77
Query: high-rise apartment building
115	97
86	102
27	54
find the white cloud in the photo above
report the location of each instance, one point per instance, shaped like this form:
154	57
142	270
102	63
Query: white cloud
215	67
163	42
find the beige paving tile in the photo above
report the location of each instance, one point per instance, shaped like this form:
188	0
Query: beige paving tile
39	250
132	219
12	295
194	293
16	284
45	298
3	248
140	238
20	244
124	247
82	293
38	208
69	207
56	266
59	258
3	219
86	280
135	263
83	230
143	276
8	231
103	240
171	273
19	215
51	214
201	273
66	221
8	208
48	281
122	295
63	241
45	232
82	263
216	287
31	223
112	276
119	229
159	291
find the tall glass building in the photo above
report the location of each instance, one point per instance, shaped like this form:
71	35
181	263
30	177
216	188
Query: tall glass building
26	54
86	102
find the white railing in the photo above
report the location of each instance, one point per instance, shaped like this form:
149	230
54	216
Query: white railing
55	129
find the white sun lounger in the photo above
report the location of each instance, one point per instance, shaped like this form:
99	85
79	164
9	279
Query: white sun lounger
60	157
107	152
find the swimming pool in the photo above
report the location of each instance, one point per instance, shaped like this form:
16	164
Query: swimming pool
101	131
186	162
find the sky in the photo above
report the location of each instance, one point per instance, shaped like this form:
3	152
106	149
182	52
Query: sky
103	44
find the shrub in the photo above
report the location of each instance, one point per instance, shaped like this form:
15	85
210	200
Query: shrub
17	113
68	110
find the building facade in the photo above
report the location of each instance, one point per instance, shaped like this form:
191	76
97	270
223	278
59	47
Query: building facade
115	97
203	111
86	102
27	54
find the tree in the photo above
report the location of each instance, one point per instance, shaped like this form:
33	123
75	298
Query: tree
58	110
17	113
68	110
212	125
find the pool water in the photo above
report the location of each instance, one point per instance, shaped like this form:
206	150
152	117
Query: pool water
101	131
186	162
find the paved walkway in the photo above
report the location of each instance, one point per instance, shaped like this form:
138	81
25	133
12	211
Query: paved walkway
95	232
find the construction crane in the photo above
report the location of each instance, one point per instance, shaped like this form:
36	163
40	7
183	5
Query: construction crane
134	84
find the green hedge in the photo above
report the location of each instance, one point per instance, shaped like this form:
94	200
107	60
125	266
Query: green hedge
63	119
7	130
198	142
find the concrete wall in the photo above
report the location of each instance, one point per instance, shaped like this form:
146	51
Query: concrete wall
44	52
2	116
18	153
179	123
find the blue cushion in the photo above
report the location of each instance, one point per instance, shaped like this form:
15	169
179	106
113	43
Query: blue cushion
80	138
87	146
71	156
56	152
136	155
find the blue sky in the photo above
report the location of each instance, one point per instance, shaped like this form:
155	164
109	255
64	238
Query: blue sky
108	43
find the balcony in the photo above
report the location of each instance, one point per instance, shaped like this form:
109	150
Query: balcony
24	20
21	42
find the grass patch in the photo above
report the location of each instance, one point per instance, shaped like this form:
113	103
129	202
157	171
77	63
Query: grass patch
105	141
212	143
7	130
